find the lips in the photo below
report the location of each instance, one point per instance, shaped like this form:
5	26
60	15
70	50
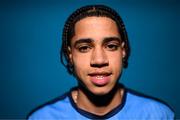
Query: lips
100	78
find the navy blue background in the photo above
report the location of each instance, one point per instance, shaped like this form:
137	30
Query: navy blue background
30	38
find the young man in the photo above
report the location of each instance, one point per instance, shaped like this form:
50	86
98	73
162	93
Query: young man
95	47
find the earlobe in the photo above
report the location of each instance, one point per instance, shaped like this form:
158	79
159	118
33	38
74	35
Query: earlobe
123	50
70	55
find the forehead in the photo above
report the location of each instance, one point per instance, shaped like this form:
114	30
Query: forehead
95	27
95	18
95	21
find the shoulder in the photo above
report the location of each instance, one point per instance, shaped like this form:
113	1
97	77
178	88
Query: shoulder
149	106
51	110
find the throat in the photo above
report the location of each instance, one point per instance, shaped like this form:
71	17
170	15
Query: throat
99	105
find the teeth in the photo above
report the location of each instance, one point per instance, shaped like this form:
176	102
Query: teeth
99	77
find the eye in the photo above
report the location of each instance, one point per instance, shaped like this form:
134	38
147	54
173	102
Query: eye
112	46
84	48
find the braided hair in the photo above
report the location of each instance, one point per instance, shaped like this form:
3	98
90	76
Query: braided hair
88	11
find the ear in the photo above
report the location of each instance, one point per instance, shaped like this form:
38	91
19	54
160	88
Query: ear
70	55
123	50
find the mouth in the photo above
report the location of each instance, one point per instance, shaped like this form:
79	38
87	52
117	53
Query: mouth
100	78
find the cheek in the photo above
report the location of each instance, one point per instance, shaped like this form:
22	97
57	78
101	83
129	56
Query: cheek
116	62
81	63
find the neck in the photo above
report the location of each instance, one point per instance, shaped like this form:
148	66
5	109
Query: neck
98	104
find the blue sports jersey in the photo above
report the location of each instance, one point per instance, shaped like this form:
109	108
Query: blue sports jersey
134	106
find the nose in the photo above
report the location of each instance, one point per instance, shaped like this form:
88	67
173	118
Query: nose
99	58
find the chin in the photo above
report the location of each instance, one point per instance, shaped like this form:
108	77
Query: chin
91	89
100	91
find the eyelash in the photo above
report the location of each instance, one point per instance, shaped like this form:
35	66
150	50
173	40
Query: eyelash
109	47
112	47
84	48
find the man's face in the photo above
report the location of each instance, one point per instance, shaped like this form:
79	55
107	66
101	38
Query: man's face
96	52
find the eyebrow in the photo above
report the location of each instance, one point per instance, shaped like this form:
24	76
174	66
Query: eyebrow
109	39
89	40
83	40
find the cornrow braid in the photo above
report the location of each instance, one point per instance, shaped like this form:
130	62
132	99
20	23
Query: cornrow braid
88	11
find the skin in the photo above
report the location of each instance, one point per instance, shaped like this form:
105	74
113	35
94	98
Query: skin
96	53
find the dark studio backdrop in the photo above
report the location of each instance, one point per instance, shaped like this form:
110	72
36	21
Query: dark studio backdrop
30	38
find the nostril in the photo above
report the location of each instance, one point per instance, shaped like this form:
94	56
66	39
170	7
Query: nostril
99	58
99	62
99	65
